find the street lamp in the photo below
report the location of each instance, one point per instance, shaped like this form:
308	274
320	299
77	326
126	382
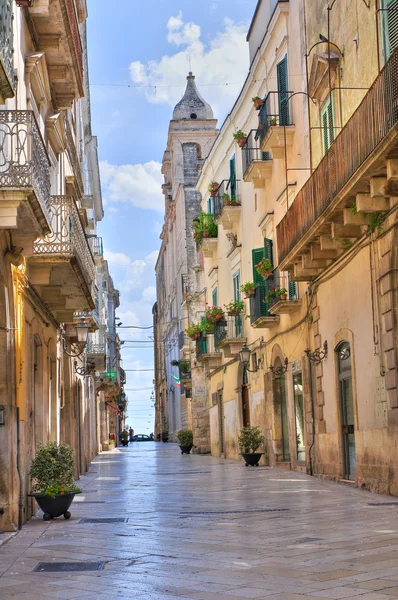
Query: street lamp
82	329
244	357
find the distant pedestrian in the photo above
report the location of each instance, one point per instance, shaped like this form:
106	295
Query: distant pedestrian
131	433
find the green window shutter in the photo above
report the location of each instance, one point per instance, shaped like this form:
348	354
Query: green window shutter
292	290
232	178
268	250
257	255
208	206
215	297
327	124
283	89
236	285
390	27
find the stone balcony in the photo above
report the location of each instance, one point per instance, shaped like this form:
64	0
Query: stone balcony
227	207
275	124
62	267
206	351
228	335
56	25
97	348
25	195
334	208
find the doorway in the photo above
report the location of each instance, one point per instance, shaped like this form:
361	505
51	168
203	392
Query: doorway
79	427
221	421
299	416
346	400
245	400
279	389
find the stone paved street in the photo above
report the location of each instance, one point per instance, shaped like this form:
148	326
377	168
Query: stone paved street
197	527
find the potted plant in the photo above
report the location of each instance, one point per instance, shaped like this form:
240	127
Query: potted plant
227	199
165	436
249	440
235	307
264	268
248	288
185	440
213	313
194	331
271	121
53	483
240	137
281	293
258	102
124	438
270	295
213	188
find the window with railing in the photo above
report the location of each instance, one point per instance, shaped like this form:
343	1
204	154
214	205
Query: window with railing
229	327
251	151
227	195
275	112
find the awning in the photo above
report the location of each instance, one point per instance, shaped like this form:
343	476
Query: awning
114	407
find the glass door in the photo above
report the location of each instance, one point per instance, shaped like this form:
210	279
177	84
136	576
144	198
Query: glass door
347	411
299	416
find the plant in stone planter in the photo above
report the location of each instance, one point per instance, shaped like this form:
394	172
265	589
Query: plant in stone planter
213	188
53	483
258	102
264	268
165	436
124	437
249	440
111	444
248	288
281	293
240	138
204	227
235	307
185	440
194	331
227	199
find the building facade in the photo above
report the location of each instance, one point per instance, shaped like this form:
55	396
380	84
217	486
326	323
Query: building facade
50	202
309	192
180	391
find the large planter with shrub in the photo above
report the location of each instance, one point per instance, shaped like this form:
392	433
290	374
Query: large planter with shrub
124	438
53	483
55	507
185	440
250	439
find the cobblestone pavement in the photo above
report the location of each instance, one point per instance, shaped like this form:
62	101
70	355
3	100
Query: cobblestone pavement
197	527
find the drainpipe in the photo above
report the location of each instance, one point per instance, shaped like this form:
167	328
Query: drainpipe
20	501
312	409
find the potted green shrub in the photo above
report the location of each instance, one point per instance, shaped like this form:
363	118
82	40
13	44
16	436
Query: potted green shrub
227	199
185	440
249	440
271	295
124	438
264	268
53	486
194	331
258	102
165	436
272	121
248	288
213	188
281	293
240	138
235	307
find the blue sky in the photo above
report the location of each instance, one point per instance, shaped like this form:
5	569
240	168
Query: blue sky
139	56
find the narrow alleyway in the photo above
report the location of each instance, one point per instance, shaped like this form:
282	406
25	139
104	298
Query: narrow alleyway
197	527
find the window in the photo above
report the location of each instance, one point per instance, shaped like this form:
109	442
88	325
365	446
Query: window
283	92
236	285
262	286
211	205
327	124
214	297
389	27
232	178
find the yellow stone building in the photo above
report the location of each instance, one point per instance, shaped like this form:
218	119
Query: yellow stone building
54	284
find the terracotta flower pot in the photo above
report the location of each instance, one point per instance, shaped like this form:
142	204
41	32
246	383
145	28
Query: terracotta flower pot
242	142
234	313
283	297
205	234
227	202
266	274
218	317
258	104
250	292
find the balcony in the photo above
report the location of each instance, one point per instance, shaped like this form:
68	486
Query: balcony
228	335
227	206
260	317
62	267
97	348
6	51
56	26
257	165
25	195
206	351
318	228
275	124
208	245
284	304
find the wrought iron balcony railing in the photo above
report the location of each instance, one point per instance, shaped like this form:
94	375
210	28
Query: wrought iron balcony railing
275	111
258	302
273	287
229	327
6	49
23	158
67	238
251	151
228	192
205	344
370	124
96	343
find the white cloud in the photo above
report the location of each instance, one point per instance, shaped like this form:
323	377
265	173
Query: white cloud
223	60
117	258
138	184
149	294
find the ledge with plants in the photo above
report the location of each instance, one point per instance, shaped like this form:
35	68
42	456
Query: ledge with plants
276	293
234	308
204	227
249	440
53	484
194	331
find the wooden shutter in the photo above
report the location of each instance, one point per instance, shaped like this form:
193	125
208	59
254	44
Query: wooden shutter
283	88
390	23
292	290
257	255
327	124
236	285
215	297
